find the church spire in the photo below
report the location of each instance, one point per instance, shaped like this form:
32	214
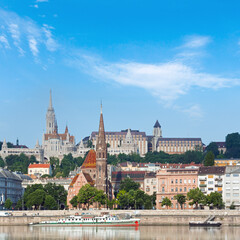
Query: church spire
101	142
101	158
50	107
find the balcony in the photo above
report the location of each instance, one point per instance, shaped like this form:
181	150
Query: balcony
218	185
218	179
203	185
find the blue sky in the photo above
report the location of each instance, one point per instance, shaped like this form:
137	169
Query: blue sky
175	61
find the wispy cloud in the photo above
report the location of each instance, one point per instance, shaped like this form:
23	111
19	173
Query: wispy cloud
166	81
196	41
25	32
33	46
4	41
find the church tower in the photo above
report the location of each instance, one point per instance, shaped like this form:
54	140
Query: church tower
101	158
157	130
51	123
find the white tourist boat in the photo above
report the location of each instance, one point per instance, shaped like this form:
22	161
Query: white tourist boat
89	220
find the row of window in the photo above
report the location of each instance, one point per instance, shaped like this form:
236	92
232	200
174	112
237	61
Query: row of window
181	181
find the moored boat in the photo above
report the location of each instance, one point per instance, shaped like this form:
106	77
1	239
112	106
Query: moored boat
89	220
205	224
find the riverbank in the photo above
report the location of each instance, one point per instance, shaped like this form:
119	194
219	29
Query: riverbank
147	217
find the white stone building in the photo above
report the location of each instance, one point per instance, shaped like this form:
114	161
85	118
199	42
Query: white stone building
150	183
210	179
231	186
17	150
127	141
39	169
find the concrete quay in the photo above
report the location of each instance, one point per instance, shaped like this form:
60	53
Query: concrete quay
147	217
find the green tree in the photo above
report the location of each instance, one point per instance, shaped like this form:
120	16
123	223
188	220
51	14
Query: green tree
196	197
232	206
8	203
100	197
36	199
86	195
123	199
50	203
74	201
209	159
57	192
111	203
213	147
128	184
214	199
181	199
233	145
166	202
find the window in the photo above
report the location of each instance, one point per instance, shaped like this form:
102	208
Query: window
235	194
171	180
180	180
227	175
185	189
227	194
235	175
163	190
163	181
176	189
172	189
194	180
180	189
185	181
210	182
189	180
176	181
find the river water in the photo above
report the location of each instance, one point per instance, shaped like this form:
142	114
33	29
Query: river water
142	232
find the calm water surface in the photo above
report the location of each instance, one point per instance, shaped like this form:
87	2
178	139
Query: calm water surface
143	232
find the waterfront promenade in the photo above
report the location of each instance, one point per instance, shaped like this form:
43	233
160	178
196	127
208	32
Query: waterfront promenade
148	217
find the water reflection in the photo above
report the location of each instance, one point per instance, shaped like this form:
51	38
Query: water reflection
100	233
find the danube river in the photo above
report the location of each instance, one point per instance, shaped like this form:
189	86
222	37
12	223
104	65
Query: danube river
143	232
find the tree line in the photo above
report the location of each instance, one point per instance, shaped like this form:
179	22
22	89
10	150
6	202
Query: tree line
129	196
196	197
37	196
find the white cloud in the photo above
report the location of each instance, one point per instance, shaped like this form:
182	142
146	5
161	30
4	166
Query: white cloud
4	41
35	6
167	81
24	32
50	43
196	41
33	46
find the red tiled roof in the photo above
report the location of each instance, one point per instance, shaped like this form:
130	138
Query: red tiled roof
74	180
47	165
90	161
88	178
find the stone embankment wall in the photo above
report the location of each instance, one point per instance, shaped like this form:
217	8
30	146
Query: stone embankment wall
148	217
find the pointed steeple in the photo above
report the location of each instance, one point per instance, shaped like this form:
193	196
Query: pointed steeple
66	129
50	107
101	141
157	125
4	145
101	158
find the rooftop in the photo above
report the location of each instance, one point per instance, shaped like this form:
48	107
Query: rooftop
211	170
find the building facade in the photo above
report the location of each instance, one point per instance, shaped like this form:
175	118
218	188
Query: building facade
227	162
127	141
171	182
231	186
10	187
17	150
150	183
210	179
39	169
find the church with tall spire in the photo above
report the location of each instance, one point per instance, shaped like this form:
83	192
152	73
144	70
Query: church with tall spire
56	144
101	158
